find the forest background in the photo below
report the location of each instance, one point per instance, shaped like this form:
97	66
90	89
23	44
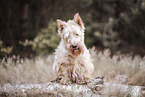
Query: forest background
28	27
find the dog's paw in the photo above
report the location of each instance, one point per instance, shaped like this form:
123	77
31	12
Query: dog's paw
65	81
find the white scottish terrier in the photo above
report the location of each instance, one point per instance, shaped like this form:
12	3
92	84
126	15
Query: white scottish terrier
72	63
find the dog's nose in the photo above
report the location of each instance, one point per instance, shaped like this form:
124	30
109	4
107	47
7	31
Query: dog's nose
74	46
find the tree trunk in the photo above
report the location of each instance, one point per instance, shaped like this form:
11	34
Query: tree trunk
23	20
74	90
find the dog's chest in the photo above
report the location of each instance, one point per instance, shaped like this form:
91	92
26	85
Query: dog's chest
75	62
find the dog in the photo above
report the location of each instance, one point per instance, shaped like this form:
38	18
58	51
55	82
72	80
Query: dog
72	61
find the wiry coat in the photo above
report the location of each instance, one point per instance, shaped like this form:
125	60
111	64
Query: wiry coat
73	63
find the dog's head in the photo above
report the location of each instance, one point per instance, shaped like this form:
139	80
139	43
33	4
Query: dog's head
72	33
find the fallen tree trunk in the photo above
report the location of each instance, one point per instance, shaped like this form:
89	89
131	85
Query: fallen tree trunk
57	89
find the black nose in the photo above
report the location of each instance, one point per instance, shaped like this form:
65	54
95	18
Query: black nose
74	46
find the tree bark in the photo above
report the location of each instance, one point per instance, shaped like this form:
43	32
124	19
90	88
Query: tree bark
57	89
24	20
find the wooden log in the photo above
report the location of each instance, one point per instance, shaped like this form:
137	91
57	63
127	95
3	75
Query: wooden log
73	90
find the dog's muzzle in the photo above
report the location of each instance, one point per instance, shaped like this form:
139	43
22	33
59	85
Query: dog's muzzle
75	46
75	49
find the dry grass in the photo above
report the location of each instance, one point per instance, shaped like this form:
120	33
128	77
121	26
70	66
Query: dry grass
17	71
119	69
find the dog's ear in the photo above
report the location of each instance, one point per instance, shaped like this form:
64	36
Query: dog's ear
60	25
78	19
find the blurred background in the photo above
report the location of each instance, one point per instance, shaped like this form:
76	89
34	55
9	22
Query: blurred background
28	27
28	38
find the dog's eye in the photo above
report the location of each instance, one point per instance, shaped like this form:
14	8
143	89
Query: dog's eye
77	34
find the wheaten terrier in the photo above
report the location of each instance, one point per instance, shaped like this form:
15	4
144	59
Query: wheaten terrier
72	63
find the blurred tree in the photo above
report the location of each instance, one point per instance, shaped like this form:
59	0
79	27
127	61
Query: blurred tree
23	19
129	25
46	40
4	50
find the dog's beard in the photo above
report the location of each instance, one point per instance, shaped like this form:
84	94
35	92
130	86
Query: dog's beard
75	51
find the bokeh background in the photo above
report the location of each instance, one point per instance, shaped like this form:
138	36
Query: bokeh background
28	27
115	34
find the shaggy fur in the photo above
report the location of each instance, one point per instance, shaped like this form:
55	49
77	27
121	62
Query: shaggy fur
73	63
